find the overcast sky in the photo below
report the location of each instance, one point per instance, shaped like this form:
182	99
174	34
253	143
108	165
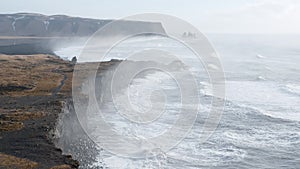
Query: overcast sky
209	16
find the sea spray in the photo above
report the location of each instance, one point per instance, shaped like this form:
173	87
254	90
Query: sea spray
71	138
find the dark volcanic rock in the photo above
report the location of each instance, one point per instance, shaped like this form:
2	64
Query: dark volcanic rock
29	24
28	33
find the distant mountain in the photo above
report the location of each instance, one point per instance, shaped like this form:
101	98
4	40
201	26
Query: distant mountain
28	33
32	24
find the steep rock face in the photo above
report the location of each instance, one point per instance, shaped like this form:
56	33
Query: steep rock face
29	33
28	24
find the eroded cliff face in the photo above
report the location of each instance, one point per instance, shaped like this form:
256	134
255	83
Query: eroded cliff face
28	24
23	24
28	33
38	123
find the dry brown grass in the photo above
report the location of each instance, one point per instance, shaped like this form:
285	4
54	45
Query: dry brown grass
10	125
39	74
35	75
61	167
12	162
12	121
67	88
22	116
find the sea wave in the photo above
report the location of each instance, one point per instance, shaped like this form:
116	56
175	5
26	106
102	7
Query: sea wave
266	97
292	89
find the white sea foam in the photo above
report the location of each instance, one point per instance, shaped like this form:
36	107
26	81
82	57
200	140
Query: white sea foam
266	97
293	89
260	56
261	78
69	52
247	100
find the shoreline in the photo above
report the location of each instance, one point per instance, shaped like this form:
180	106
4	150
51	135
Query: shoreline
35	93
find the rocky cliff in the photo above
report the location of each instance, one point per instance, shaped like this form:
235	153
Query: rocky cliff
29	33
37	25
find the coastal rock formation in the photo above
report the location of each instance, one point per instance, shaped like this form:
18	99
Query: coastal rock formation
38	123
29	33
37	25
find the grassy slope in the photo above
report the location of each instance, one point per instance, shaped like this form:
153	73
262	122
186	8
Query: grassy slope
29	106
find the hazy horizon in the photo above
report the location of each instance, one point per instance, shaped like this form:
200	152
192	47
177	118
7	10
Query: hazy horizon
232	16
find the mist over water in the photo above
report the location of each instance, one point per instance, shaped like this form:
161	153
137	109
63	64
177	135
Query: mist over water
260	126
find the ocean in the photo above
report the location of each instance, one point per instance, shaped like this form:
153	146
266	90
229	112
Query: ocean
260	123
